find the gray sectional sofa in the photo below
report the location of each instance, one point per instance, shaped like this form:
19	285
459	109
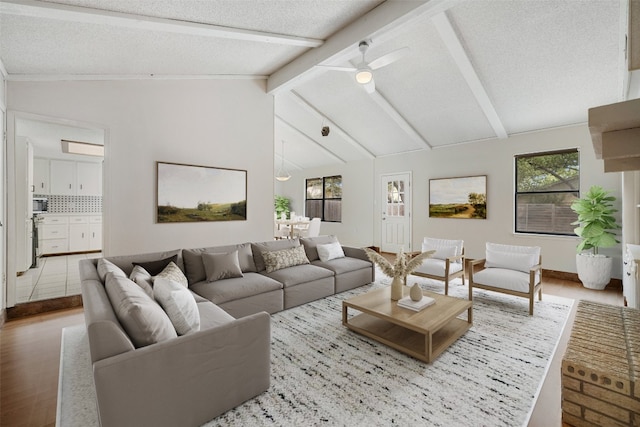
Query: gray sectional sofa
149	375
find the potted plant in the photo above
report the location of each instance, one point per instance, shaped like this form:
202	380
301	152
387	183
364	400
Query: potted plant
281	204
399	270
596	226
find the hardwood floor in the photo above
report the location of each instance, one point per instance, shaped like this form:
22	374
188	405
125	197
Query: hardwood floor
30	357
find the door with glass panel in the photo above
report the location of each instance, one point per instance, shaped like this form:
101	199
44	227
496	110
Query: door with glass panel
396	212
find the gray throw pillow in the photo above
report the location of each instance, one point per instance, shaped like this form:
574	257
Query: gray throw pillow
144	320
221	266
105	267
179	304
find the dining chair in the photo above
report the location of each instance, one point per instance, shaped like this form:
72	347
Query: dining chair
312	230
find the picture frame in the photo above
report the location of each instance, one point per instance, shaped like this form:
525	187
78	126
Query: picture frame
192	193
459	197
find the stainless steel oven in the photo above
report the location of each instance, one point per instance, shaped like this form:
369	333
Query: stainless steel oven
40	205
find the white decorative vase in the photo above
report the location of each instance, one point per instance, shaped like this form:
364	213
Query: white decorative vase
397	289
594	271
416	292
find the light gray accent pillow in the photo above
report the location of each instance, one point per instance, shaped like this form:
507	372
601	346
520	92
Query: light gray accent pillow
273	245
178	303
105	267
330	251
194	266
277	260
311	243
221	266
144	320
173	272
142	278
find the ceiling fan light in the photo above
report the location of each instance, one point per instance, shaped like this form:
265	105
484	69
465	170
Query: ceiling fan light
364	75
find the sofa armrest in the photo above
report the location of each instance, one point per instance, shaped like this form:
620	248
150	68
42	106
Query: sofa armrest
188	380
352	252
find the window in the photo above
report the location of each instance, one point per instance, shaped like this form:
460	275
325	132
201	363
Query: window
546	185
324	198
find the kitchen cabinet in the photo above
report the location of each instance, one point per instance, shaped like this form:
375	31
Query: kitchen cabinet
41	176
68	178
63	177
70	233
89	179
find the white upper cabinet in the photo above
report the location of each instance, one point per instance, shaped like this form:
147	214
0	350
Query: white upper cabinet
68	178
41	176
63	177
89	179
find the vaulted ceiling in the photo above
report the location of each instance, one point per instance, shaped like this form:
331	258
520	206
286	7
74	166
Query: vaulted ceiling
475	70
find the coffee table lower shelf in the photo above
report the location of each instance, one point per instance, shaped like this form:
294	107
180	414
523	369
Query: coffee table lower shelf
425	346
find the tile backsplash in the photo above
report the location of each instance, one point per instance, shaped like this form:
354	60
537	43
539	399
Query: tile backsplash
73	204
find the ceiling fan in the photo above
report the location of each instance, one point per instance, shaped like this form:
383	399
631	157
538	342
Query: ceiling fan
364	70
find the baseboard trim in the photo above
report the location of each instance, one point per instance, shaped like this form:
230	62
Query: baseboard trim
44	306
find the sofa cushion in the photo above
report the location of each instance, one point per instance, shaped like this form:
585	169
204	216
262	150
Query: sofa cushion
141	317
236	288
436	267
310	245
343	265
105	267
221	266
277	260
155	267
212	316
299	274
275	245
178	303
512	280
443	247
330	251
510	260
142	278
194	265
172	272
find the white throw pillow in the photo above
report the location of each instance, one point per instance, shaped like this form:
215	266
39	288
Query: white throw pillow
510	260
330	251
442	252
142	278
178	303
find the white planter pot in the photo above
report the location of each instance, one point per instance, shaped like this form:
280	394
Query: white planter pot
594	271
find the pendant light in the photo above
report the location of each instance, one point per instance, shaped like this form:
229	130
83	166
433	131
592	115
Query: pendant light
282	174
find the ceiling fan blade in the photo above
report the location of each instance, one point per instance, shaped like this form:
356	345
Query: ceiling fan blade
388	58
337	68
370	87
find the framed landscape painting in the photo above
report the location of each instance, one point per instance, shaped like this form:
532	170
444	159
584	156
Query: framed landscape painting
464	197
189	193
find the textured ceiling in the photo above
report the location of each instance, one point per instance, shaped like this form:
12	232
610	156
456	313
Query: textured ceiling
475	70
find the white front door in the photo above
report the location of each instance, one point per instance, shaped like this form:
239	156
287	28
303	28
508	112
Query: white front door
396	212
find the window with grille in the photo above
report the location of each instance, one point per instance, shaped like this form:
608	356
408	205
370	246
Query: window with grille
546	185
324	198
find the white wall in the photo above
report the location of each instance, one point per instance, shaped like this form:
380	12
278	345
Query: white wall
361	221
495	158
223	123
356	228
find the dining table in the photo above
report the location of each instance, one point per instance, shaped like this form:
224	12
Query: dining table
293	224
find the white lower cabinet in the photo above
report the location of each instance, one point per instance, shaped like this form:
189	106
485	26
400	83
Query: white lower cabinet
73	233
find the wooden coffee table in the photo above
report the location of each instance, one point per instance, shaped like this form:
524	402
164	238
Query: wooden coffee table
423	335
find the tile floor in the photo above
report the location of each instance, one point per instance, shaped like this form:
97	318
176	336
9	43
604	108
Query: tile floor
55	276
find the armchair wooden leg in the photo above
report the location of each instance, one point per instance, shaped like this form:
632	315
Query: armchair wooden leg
531	298
446	286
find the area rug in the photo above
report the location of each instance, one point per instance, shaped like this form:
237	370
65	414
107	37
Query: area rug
324	374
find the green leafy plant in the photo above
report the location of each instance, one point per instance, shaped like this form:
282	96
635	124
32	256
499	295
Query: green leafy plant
281	204
595	219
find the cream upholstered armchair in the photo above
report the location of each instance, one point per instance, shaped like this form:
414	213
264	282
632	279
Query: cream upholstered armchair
513	270
445	264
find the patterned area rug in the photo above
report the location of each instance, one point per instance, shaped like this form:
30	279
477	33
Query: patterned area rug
323	374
